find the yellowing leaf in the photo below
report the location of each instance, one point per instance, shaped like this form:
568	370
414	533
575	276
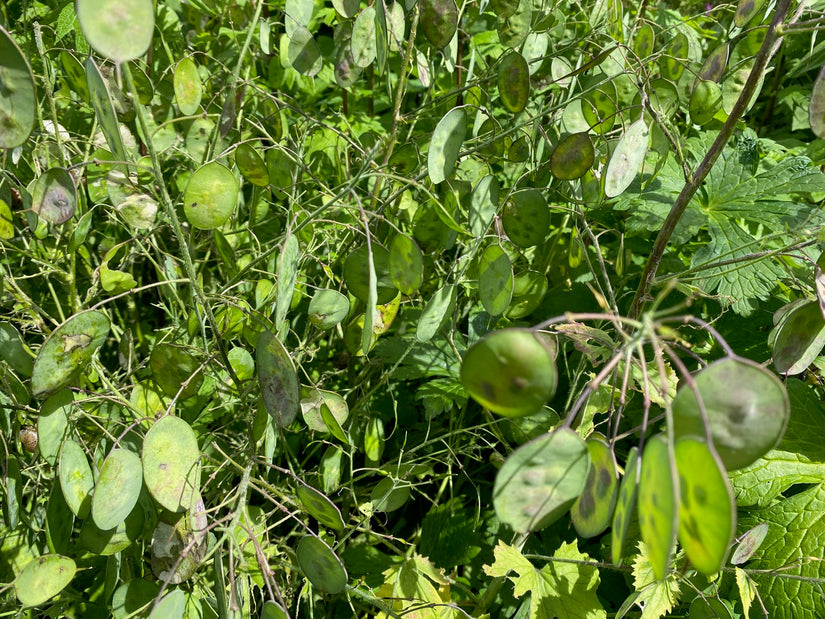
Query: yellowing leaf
747	590
559	590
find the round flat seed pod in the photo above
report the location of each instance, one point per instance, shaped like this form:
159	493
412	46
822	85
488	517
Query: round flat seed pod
304	53
171	463
67	350
278	379
346	8
445	144
658	504
439	21
43	578
749	543
746	405
172	368
357	274
271	610
707	509
54	196
53	423
18	99
175	553
327	308
593	509
714	66
188	86
799	339
76	478
540	480
625	504
627	159
13	351
510	371
59	522
672	63
483	204
363	41
529	289
389	495
745	11
251	165
132	597
321	508
572	157
313	403
117	488
321	565
210	196
599	108
526	218
406	264
172	606
709	608
495	280
705	102
503	8
74	74
118	29
439	308
644	41
514	81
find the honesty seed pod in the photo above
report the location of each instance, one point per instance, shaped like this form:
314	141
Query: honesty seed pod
511	372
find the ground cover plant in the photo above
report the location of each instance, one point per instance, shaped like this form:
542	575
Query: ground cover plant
411	309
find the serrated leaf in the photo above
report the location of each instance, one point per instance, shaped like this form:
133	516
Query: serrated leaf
657	597
558	590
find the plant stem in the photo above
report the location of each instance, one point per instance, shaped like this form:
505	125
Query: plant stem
704	168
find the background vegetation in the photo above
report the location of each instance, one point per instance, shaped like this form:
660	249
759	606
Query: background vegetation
247	245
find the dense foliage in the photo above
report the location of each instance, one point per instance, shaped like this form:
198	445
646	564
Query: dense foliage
421	309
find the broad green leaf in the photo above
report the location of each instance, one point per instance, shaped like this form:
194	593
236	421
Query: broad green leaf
657	597
76	478
799	339
116	489
278	379
406	264
321	565
514	81
438	309
363	43
627	159
438	21
18	103
118	29
210	196
540	480
795	533
445	143
707	510
658	504
44	578
188	86
171	463
593	509
561	590
68	350
105	110
764	480
625	506
495	280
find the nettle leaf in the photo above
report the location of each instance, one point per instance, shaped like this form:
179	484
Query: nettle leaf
559	590
795	535
656	597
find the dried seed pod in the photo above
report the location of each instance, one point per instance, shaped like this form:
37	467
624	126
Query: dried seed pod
28	436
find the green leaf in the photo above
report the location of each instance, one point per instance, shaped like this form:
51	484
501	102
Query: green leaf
764	480
794	540
406	264
445	143
657	597
559	590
